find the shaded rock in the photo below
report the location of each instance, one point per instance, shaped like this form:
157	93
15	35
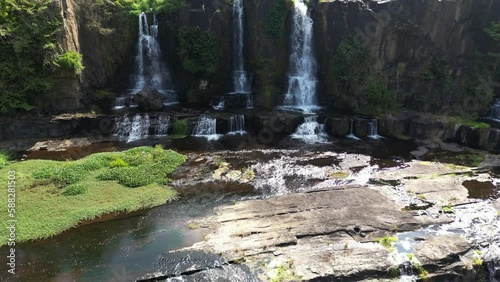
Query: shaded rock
149	99
338	127
361	128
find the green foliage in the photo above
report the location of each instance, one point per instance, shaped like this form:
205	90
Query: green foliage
377	94
28	51
180	127
118	163
4	159
352	62
75	189
71	61
387	241
156	6
199	50
276	19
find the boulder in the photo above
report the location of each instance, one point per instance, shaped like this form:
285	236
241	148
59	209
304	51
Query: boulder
149	99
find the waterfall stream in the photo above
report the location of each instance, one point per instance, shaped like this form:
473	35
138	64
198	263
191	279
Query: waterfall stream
351	131
241	78
373	129
237	124
494	112
162	125
206	127
311	131
302	80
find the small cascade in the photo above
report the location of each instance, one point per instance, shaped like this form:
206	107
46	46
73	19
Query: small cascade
206	127
373	129
311	131
407	274
134	130
494	112
302	80
150	68
119	103
162	125
241	79
237	124
351	130
219	105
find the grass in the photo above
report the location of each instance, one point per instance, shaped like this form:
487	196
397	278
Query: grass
448	209
387	241
285	272
55	196
469	122
4	159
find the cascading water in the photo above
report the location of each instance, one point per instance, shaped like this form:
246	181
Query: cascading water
373	129
494	112
206	127
237	124
132	131
241	78
149	67
311	131
303	66
119	103
351	131
162	125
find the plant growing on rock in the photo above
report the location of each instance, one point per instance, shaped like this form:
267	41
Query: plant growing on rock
387	241
199	50
71	61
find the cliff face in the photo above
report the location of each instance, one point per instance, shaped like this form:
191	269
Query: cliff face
105	35
412	41
426	49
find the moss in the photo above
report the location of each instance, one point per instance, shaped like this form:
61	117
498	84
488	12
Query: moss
180	128
469	122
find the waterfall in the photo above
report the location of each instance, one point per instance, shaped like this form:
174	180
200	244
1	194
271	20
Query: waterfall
206	127
310	131
119	103
149	67
237	124
240	76
162	125
132	131
351	130
219	105
494	112
373	129
303	66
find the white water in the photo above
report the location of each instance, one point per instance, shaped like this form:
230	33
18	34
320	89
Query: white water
373	129
134	130
149	67
241	78
162	125
119	103
351	131
206	127
311	131
302	80
221	105
237	124
494	112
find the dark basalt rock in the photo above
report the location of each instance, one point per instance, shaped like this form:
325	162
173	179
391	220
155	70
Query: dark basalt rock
149	99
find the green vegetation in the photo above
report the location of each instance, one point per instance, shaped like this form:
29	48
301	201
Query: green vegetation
387	241
199	50
193	225
4	159
422	273
180	128
276	19
285	272
493	31
469	122
353	65
71	61
55	196
393	272
448	209
28	51
156	6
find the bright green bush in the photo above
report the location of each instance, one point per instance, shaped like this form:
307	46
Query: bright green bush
4	159
71	61
199	50
75	189
118	163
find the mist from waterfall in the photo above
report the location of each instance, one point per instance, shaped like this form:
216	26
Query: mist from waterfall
302	79
241	78
149	67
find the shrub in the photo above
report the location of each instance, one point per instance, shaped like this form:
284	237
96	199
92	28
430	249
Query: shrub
199	50
75	189
118	163
71	61
4	160
45	172
70	174
180	127
276	19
